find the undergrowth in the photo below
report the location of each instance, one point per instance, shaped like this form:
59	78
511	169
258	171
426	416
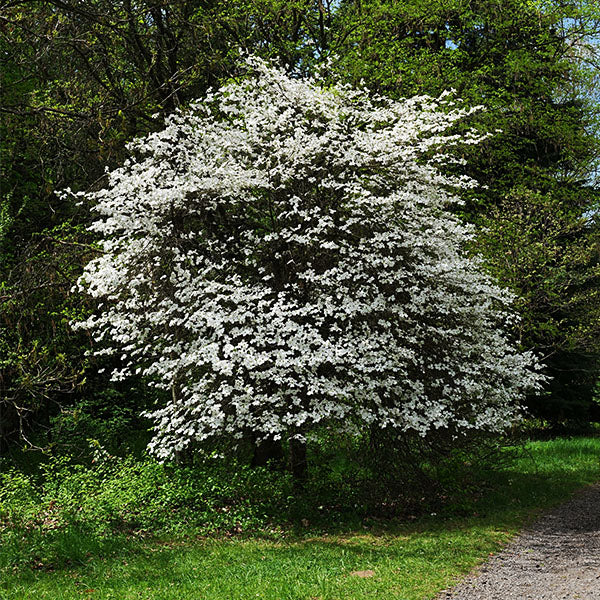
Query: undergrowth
66	512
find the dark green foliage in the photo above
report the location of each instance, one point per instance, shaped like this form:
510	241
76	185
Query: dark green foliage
110	418
549	254
41	361
81	80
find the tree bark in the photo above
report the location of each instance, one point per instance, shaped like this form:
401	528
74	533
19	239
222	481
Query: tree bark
298	463
267	452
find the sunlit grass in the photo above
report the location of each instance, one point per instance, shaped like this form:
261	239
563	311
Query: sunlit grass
406	562
409	561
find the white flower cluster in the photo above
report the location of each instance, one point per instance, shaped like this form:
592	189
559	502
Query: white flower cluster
281	255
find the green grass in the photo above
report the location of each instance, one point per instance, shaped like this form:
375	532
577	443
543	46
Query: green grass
410	560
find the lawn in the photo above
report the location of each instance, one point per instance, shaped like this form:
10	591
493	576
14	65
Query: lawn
408	560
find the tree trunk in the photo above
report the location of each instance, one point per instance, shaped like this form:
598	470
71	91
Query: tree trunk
267	452
298	463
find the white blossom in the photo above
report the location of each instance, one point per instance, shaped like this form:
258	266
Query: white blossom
281	255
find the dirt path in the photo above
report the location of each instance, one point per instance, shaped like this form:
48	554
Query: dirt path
557	558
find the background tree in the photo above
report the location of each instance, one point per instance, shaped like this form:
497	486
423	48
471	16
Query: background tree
80	80
533	66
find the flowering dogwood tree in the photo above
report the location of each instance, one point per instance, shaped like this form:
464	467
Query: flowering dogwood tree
281	256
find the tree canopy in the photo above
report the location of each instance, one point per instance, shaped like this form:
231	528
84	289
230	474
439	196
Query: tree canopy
281	255
534	65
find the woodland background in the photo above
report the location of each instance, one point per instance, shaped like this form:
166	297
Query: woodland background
81	79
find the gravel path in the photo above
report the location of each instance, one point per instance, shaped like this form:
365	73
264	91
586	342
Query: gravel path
557	558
